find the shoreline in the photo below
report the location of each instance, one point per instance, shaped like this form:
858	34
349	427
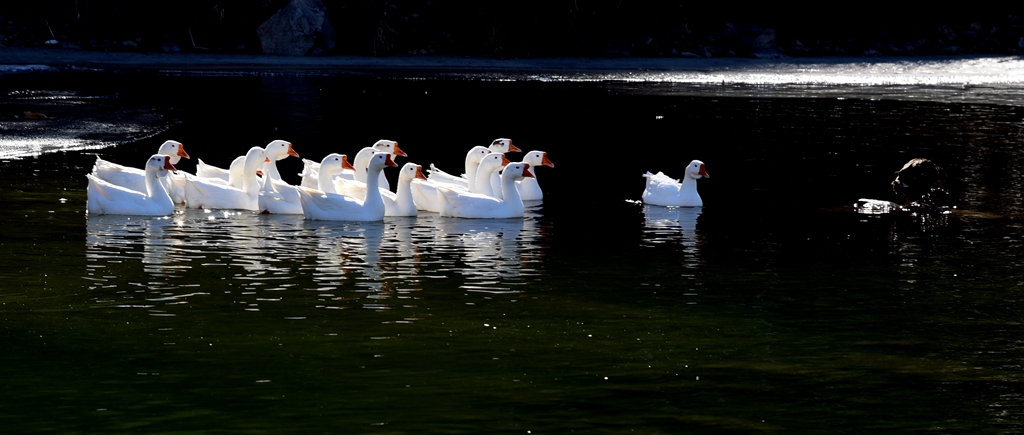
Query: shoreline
202	62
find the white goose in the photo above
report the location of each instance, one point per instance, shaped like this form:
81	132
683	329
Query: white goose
311	169
318	205
277	196
206	170
425	191
473	205
501	146
665	191
398	203
310	174
205	193
330	167
383	145
135	179
528	188
473	158
107	198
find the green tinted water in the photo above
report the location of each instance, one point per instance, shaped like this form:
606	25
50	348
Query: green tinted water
764	312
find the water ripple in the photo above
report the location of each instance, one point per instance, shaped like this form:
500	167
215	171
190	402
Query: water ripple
198	254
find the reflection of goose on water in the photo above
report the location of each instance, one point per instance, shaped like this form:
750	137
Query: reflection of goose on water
493	249
663	224
665	191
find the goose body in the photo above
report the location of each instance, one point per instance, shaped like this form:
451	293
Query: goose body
277	196
205	193
528	188
476	206
318	205
501	146
310	174
398	203
425	191
473	158
665	191
205	170
135	179
107	198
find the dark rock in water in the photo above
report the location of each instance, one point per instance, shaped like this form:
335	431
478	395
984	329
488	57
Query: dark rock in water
762	46
302	27
915	181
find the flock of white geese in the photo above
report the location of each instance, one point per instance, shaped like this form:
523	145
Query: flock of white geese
334	189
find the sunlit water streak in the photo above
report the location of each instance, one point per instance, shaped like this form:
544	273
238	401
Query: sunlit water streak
266	258
75	121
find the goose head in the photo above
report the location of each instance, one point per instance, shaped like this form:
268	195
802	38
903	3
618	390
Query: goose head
410	171
280	150
174	149
696	170
159	164
503	145
334	163
390	147
253	159
492	162
538	158
516	171
476	154
379	161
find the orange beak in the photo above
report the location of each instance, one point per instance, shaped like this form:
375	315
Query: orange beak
259	172
345	164
419	173
291	152
398	151
267	160
181	151
704	173
504	160
388	161
546	162
168	166
526	171
512	148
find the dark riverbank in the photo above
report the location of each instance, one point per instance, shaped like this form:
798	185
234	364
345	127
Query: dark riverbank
505	30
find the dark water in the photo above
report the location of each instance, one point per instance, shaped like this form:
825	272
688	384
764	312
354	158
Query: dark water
776	308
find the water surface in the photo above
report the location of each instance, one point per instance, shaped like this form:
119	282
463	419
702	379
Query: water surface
776	308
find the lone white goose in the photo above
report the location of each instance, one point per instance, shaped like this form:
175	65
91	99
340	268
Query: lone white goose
669	192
